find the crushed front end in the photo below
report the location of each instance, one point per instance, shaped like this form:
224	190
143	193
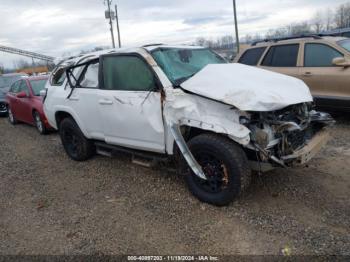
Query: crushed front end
287	137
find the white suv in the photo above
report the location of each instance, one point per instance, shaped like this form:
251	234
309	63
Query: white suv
219	121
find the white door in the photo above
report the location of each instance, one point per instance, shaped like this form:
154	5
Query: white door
84	101
130	103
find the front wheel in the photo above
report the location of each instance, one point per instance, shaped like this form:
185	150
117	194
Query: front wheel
12	119
76	145
225	165
40	126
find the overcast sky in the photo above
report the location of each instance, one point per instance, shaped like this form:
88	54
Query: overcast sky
54	27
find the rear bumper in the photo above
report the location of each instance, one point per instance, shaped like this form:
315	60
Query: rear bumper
305	154
45	121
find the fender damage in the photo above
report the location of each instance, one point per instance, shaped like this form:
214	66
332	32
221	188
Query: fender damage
274	124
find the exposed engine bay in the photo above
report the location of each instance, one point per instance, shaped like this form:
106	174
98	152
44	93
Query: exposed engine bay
277	135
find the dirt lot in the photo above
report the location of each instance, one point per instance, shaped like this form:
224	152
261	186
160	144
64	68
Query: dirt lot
52	205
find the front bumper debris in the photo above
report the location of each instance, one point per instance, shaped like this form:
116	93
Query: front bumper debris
305	154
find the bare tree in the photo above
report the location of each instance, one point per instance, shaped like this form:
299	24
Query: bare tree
318	23
200	41
329	19
342	16
299	28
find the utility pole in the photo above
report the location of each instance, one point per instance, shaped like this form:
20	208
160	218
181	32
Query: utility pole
236	25
117	20
109	16
33	65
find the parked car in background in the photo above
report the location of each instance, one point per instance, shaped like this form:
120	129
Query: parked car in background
323	63
185	105
5	82
25	103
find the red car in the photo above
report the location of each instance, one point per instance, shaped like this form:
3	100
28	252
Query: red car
25	103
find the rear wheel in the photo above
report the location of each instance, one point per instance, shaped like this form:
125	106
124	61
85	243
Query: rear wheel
76	145
225	165
40	126
11	117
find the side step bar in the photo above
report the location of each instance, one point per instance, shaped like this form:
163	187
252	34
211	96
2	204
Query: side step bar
142	158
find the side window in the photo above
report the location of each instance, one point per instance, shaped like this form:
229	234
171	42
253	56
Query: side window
127	73
252	56
23	87
282	56
15	87
58	77
90	78
320	55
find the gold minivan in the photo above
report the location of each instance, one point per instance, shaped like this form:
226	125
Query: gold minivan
322	62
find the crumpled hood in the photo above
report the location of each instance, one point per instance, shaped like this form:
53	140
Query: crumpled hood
248	88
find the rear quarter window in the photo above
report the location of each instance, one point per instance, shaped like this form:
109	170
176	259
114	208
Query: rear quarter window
58	77
252	56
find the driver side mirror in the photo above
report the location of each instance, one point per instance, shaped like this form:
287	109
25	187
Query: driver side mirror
22	94
341	61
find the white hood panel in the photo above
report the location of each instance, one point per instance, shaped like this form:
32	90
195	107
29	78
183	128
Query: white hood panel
248	88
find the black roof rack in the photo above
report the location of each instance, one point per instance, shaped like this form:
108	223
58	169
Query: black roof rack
286	38
152	45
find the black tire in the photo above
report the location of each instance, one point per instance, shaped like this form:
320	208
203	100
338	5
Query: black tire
76	145
225	165
39	124
3	108
12	119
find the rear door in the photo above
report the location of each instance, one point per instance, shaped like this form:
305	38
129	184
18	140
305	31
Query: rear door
282	59
11	97
324	79
83	99
24	105
130	103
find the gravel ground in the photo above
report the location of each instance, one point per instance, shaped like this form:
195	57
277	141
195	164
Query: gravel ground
50	204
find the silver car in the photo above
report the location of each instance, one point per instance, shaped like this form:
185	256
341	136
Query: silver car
6	81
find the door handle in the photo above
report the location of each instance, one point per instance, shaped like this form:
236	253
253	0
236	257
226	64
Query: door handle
307	74
74	98
105	102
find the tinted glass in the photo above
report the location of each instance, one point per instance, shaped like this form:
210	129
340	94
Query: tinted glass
15	87
252	56
345	44
90	79
128	73
282	56
319	55
37	86
180	64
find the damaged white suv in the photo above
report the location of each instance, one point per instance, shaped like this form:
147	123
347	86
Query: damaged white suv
218	121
